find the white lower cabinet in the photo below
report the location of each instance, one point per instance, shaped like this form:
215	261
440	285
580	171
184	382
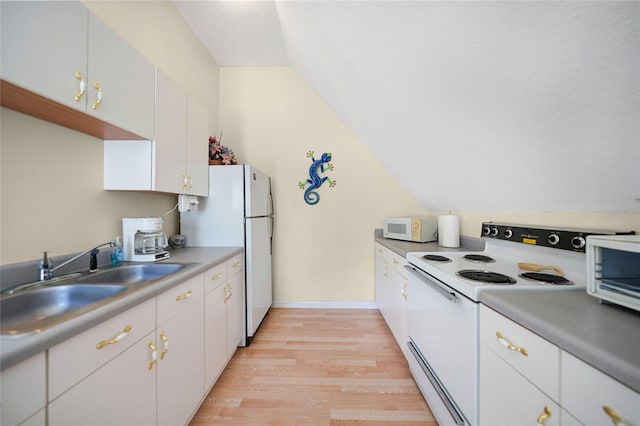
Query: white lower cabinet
179	338
594	398
121	393
522	373
223	315
391	293
507	398
23	392
519	374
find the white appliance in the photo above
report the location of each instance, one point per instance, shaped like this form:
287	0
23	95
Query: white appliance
416	229
238	212
613	269
144	240
443	305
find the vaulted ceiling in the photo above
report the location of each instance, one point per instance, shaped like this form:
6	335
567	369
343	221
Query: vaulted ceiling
472	105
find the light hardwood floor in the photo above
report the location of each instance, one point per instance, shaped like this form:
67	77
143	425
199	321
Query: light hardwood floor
317	367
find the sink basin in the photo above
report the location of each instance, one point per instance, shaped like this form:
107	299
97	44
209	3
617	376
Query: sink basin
38	309
132	274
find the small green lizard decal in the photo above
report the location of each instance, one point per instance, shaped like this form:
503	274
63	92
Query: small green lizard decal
311	196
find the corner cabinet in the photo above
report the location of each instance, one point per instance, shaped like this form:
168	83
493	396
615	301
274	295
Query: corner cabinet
176	161
62	52
391	293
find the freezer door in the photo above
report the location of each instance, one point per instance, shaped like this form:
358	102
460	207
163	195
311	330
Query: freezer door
258	271
257	192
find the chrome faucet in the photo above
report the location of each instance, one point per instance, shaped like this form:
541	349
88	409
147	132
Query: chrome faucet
45	271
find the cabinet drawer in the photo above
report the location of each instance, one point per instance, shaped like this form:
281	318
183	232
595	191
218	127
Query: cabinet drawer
179	298
586	392
215	276
23	389
396	261
540	365
74	359
235	264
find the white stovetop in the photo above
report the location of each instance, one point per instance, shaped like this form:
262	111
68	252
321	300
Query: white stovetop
507	255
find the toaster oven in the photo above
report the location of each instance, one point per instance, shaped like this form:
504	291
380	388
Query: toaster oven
613	269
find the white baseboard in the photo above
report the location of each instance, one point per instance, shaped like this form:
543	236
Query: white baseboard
326	305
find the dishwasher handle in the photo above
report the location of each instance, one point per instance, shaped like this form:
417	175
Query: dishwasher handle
447	294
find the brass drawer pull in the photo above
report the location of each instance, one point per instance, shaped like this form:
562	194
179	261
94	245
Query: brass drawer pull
508	344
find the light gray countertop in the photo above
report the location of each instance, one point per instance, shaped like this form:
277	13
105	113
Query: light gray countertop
14	349
605	336
404	247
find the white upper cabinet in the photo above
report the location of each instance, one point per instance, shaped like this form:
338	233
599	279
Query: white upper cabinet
177	161
60	51
121	87
44	49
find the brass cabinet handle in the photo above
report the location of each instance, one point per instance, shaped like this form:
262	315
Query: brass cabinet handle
154	355
403	292
615	417
395	261
165	343
184	296
236	265
544	416
508	344
82	86
216	276
122	335
98	95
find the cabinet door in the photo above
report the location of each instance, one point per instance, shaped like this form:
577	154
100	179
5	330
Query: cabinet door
215	329
120	393
397	309
507	398
594	398
44	45
23	390
171	133
235	311
127	83
181	366
197	148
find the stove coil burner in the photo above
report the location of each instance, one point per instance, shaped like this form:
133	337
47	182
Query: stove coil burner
436	258
486	276
479	258
545	278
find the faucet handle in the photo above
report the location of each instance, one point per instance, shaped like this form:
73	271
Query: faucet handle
45	270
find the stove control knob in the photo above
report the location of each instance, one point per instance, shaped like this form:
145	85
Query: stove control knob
578	242
508	233
494	231
553	239
486	231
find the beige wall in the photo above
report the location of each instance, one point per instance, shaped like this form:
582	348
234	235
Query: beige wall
51	177
322	253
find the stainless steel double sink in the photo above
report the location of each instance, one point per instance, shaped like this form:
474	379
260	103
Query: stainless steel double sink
48	303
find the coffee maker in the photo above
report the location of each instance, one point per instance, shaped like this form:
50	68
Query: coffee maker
144	240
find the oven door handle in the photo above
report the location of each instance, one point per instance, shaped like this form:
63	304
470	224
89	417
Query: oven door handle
447	294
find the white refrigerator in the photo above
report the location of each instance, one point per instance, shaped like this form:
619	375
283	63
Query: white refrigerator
238	212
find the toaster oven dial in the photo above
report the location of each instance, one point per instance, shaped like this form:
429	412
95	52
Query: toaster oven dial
553	239
578	242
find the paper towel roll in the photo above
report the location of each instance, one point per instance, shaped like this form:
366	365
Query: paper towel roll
448	231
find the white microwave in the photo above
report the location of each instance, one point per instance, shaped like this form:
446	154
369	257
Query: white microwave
613	269
416	229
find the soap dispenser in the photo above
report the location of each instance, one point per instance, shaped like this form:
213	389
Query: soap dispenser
117	255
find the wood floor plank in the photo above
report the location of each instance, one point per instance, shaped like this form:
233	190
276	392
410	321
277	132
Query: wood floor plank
328	367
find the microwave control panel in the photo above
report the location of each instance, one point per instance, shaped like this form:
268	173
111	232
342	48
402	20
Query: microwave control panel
559	238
